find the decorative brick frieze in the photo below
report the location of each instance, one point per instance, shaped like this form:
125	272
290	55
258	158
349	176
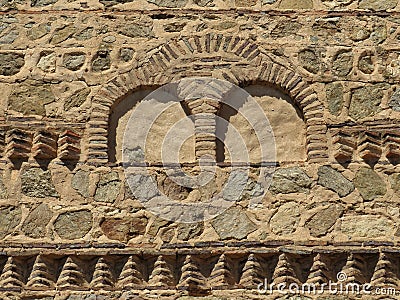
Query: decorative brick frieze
370	143
44	145
18	144
69	145
41	144
196	271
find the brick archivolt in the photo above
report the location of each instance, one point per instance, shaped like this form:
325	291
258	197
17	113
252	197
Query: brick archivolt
232	58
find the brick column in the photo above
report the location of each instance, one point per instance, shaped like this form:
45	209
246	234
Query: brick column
204	112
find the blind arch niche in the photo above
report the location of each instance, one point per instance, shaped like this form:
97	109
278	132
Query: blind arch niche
285	119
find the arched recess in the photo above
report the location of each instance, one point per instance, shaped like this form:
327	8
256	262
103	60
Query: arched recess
232	58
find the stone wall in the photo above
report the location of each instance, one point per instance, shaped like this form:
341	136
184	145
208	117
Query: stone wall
71	227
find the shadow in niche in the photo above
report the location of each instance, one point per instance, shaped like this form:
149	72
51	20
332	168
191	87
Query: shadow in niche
226	112
372	162
17	163
237	99
119	110
70	164
393	160
344	163
43	163
255	89
185	108
260	89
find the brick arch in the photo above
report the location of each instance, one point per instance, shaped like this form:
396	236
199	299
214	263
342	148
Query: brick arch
232	58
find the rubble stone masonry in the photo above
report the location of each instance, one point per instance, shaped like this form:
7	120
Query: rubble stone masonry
326	73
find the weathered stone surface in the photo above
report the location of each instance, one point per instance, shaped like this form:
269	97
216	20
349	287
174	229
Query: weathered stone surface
35	224
93	297
6	20
108	3
365	101
156	225
395	182
287	28
203	3
136	30
294	4
127	191
189	231
101	61
174	27
77	99
357	32
10	216
378	5
254	189
47	62
323	220
11	63
367	226
42	2
334	95
123	229
342	63
290	180
171	188
325	27
169	3
167	234
74	61
9	37
62	34
245	3
3	189
108	187
369	184
335	181
309	61
37	183
143	187
135	155
8	5
74	224
286	219
233	224
379	34
224	25
235	185
126	54
360	35
31	98
80	182
365	64
39	31
394	102
109	39
335	3
85	34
